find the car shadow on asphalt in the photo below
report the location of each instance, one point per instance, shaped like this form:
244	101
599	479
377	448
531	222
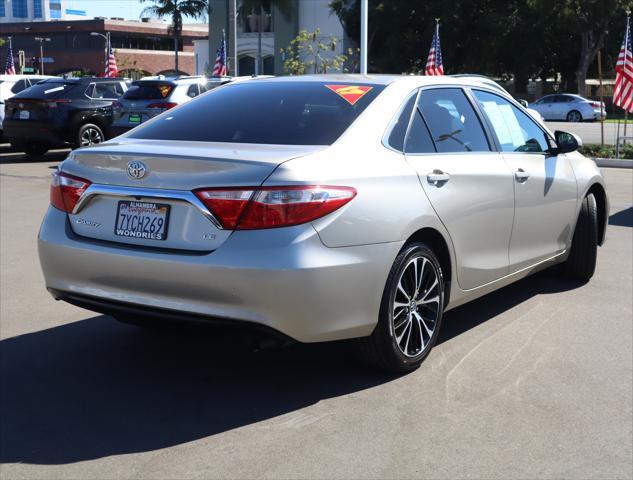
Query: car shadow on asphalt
623	218
10	156
95	388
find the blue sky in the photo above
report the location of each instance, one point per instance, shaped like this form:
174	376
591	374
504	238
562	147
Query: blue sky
128	9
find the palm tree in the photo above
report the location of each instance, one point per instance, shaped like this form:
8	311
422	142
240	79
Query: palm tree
176	9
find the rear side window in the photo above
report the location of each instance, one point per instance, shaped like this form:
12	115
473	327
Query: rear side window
148	91
19	86
193	90
515	131
399	129
453	123
267	112
104	91
419	138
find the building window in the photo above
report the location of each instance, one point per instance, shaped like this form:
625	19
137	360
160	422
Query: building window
56	9
250	20
20	9
37	8
2	11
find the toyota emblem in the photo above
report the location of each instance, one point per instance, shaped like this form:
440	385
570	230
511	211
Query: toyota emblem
136	169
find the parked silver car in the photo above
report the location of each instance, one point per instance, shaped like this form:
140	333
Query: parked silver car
151	96
323	207
569	107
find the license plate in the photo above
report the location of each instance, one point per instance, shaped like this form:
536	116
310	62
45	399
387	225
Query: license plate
142	220
134	119
25	114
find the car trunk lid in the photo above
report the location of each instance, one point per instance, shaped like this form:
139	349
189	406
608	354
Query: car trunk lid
154	180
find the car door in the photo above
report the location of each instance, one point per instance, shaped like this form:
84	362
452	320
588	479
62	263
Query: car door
546	107
545	188
468	184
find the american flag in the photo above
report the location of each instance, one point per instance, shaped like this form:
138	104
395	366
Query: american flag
434	64
220	68
623	92
111	70
9	68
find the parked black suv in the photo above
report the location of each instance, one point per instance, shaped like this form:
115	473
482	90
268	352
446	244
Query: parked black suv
60	112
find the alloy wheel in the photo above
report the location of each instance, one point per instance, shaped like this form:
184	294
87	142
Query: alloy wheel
416	306
574	117
91	136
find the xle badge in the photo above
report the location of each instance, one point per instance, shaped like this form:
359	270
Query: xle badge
350	93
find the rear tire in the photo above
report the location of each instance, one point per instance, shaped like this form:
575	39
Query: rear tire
410	313
581	263
35	149
89	134
574	116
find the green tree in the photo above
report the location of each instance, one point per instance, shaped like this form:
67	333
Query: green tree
307	53
176	9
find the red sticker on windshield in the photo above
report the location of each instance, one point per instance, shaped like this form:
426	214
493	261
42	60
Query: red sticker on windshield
350	93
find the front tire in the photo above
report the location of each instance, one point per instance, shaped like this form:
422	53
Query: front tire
581	263
410	314
89	134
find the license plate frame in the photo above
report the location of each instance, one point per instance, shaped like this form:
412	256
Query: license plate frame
135	118
146	209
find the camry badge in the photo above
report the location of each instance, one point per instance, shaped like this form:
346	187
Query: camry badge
137	170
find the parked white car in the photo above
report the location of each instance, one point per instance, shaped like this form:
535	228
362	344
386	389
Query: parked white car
13	84
569	107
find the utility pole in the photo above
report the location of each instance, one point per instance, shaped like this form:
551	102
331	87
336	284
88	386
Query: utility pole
600	97
363	36
233	37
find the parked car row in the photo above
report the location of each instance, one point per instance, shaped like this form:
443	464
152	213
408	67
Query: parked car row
80	112
38	112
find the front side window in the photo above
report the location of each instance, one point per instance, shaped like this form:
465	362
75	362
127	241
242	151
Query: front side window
266	112
515	131
452	121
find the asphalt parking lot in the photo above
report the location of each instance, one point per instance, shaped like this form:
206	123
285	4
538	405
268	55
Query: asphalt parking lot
533	381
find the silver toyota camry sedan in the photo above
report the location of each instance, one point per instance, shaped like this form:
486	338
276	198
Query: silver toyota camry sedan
323	208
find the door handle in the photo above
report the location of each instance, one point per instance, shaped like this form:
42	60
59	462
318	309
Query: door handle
437	177
521	175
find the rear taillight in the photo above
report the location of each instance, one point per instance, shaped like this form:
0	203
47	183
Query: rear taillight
162	105
66	191
116	105
273	207
595	104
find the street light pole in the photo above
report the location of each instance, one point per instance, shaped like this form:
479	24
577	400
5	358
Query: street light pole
363	36
106	37
42	40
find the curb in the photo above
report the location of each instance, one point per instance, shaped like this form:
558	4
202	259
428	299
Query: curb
613	163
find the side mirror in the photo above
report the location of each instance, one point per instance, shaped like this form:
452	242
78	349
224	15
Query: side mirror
524	103
567	142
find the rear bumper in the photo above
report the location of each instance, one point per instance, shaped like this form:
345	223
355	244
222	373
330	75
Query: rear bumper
284	279
41	132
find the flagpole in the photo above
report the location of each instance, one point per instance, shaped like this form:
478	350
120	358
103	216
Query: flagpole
628	33
363	36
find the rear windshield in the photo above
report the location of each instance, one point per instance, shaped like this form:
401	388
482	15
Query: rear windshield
46	90
284	113
148	91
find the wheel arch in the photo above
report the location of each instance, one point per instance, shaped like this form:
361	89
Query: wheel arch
436	241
